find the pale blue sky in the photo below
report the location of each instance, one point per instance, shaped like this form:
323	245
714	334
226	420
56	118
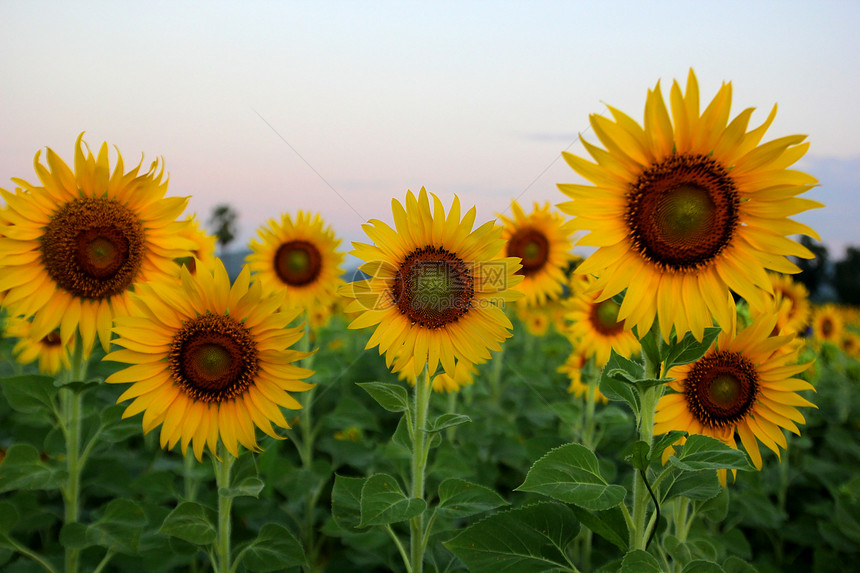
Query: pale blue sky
372	98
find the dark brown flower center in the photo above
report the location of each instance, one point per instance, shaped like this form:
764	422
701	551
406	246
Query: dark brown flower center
93	248
213	358
52	339
433	287
682	212
532	247
721	388
298	263
827	327
604	318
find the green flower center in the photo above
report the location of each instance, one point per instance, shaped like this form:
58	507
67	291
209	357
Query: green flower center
298	263
721	388
93	247
682	212
532	246
433	287
213	358
604	318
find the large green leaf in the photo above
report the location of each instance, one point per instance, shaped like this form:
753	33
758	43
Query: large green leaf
190	522
30	393
392	397
526	540
608	524
119	527
702	566
383	502
700	486
447	421
571	474
23	468
688	349
346	501
638	561
617	380
707	453
274	549
459	498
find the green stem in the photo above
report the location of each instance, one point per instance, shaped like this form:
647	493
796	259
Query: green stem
588	424
24	550
641	494
420	450
190	484
71	405
306	451
222	481
400	547
103	563
496	376
452	409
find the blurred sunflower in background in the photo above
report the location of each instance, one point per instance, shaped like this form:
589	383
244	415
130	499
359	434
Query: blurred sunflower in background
542	240
209	361
593	325
298	255
743	385
686	208
442	382
828	324
77	245
536	319
204	244
51	351
790	300
573	368
436	286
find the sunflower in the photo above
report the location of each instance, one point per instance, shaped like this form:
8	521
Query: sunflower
435	286
744	384
76	246
827	324
686	209
51	351
299	256
594	328
536	319
573	368
790	300
204	249
209	360
542	240
851	344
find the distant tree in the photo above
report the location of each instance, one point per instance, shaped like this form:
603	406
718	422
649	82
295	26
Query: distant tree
813	272
222	222
846	277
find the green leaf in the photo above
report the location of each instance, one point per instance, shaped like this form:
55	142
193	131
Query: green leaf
392	397
700	486
621	388
677	549
530	539
190	522
22	468
119	527
8	517
702	566
459	498
275	548
737	565
707	453
77	386
383	502
346	501
114	428
646	383
74	536
638	561
637	454
717	507
447	421
571	474
652	344
30	393
608	524
663	441
250	486
689	349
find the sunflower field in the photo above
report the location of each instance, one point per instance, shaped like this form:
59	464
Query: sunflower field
474	397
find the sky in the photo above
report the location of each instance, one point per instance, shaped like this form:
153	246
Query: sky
338	107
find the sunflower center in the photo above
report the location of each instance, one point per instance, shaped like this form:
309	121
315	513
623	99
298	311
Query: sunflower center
682	212
433	287
93	247
532	247
298	263
213	358
604	318
52	339
721	388
827	327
